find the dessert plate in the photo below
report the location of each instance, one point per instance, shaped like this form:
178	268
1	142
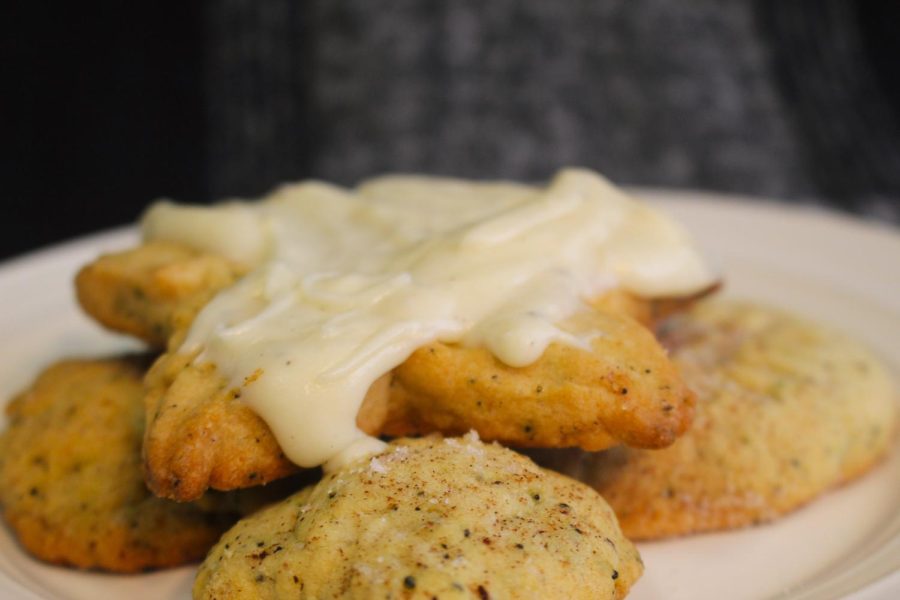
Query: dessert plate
828	267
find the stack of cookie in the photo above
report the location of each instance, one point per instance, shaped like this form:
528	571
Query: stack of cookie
665	416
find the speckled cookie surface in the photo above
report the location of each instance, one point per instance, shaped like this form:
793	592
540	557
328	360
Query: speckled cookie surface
786	409
71	485
621	388
429	518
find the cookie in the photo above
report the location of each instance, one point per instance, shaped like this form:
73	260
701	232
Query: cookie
71	484
786	409
447	518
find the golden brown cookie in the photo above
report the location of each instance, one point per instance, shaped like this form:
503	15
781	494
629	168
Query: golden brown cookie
428	518
624	389
71	485
786	409
153	290
199	434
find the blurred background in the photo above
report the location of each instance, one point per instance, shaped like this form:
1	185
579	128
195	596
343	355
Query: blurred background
107	106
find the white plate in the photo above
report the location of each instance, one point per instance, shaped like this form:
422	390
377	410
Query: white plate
829	267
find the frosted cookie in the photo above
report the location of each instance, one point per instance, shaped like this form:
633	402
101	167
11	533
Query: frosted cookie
623	389
494	306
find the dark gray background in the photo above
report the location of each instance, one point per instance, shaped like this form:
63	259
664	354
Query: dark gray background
109	107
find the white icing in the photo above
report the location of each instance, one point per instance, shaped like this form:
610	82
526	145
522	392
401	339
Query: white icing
344	285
